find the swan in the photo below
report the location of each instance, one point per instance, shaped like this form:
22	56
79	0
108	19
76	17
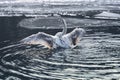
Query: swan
61	39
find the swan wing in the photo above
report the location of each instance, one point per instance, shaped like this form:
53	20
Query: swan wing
39	38
74	37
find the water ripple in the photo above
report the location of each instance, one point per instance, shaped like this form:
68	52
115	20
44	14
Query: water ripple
97	57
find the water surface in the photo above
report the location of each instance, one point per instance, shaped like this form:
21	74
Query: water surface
97	57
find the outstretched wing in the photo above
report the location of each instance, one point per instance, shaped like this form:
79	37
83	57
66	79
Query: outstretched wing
39	38
75	36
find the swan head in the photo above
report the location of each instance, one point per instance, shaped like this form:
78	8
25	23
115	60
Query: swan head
76	35
59	34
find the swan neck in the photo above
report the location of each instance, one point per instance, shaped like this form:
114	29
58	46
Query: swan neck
64	28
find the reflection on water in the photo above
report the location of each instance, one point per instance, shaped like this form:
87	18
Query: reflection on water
96	58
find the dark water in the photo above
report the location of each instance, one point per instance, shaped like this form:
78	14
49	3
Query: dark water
97	57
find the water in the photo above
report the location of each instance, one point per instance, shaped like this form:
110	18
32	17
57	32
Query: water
97	57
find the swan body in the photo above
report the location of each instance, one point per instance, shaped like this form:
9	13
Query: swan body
61	39
69	40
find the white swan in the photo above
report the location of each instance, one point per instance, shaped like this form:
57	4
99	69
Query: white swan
71	39
61	39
